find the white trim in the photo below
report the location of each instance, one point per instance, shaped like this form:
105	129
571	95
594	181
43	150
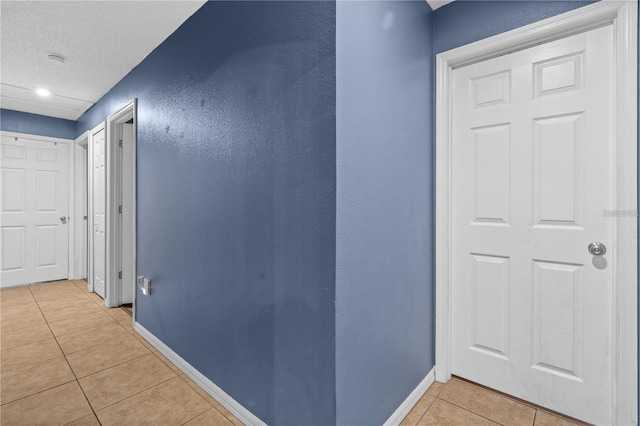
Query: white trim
71	193
81	199
398	416
623	15
625	321
114	121
244	415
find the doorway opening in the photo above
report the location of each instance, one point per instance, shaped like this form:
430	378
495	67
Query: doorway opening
112	207
121	205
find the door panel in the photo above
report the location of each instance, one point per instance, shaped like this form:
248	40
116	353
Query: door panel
99	208
531	177
34	198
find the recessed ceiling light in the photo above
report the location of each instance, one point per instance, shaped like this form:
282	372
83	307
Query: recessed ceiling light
43	92
56	57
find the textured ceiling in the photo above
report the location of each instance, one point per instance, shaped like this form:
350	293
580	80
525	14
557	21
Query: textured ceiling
101	41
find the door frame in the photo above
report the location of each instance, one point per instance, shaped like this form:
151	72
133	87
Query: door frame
81	179
71	189
623	16
114	129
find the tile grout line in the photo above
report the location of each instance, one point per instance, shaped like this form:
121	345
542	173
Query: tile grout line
116	365
427	410
524	402
229	420
137	393
472	412
212	408
67	361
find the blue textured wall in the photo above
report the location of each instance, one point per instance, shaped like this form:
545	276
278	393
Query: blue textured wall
466	21
236	201
384	267
34	124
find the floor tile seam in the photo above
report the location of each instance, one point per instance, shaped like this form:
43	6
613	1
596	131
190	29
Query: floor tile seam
37	393
63	319
523	402
68	317
80	302
35	363
94	415
57	296
69	365
74	375
511	398
425	411
111	366
68	332
136	394
83	348
207	393
212	408
201	389
472	412
30	364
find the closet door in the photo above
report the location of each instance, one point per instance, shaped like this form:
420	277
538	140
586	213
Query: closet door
34	208
97	205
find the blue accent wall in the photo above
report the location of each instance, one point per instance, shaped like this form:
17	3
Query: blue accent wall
465	21
384	267
34	124
236	201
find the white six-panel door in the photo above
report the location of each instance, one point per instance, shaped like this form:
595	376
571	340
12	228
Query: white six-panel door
531	180
34	211
99	208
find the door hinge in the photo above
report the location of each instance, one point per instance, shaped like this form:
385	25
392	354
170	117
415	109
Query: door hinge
120	209
120	143
120	275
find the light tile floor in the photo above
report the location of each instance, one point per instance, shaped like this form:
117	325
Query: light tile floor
464	403
65	359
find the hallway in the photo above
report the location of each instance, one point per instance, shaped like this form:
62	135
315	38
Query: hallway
66	359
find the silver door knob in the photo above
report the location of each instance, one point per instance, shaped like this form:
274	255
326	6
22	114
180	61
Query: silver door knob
597	248
63	219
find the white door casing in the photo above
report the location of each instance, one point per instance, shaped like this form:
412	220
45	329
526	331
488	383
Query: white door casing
98	210
34	209
622	258
81	207
531	307
121	182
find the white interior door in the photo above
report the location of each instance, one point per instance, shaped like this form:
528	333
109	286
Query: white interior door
531	180
98	201
34	206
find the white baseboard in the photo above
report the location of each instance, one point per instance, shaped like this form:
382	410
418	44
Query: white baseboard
244	415
398	416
